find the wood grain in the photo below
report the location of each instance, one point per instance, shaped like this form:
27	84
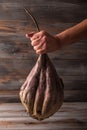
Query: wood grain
16	54
17	58
70	116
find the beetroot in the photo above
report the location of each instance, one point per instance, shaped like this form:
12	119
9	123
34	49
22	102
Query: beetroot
42	93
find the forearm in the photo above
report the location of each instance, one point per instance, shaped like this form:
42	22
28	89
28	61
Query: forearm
73	34
43	42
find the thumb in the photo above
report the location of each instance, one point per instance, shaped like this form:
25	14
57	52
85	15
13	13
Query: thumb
29	35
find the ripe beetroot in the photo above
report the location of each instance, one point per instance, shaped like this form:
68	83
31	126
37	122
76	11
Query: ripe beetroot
42	93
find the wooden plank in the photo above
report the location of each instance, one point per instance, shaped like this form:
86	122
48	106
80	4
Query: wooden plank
8	110
22	26
19	50
23	51
74	1
67	12
45	3
70	115
75	96
70	83
69	96
48	2
17	69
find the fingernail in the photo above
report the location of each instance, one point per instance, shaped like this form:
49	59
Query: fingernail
27	36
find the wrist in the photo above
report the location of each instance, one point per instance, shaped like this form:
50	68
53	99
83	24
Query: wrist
59	42
63	38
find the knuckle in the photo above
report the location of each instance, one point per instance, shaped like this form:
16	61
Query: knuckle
42	32
44	38
31	39
38	52
35	36
34	48
45	46
32	43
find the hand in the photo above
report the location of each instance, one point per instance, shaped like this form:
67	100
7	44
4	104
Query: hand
43	42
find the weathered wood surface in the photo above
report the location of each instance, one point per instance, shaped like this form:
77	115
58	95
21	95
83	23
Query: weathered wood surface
16	54
17	58
71	116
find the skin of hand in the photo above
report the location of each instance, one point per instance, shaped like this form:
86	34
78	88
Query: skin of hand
43	42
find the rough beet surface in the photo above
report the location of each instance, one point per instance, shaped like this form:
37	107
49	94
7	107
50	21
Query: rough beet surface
42	93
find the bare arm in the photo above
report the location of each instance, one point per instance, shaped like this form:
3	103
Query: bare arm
73	34
43	42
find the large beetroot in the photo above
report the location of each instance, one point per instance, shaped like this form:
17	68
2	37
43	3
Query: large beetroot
42	92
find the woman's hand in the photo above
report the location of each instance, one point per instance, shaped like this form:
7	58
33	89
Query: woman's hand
43	42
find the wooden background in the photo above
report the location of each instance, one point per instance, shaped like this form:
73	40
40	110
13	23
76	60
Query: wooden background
17	58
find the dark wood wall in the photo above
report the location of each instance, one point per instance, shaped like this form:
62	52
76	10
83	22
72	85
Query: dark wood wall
17	56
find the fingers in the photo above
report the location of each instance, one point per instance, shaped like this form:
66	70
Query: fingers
38	41
41	51
40	46
30	35
34	35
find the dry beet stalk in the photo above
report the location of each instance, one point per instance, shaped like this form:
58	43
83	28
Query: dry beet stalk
42	93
